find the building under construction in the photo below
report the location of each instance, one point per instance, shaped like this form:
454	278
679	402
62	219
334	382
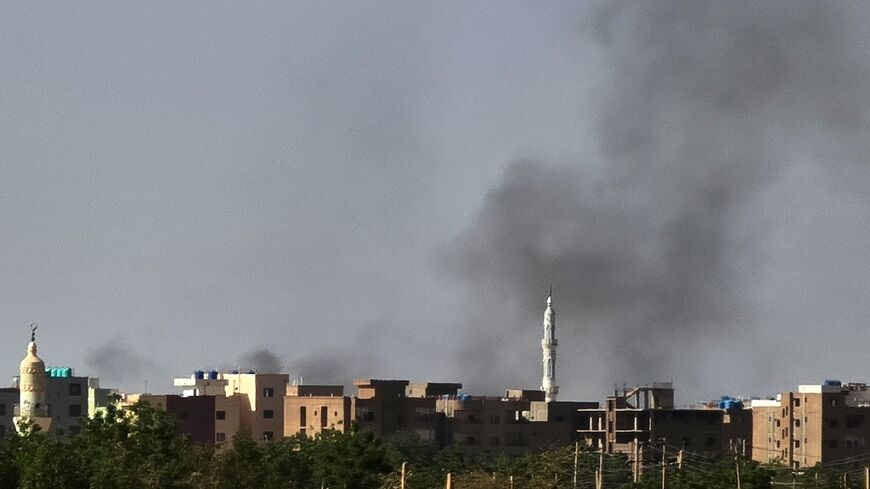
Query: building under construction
638	421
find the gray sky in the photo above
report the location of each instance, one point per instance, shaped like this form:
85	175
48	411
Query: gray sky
387	189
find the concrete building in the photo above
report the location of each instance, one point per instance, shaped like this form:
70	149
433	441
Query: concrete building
635	419
519	422
67	398
205	419
384	407
262	402
99	397
251	402
8	399
817	424
310	409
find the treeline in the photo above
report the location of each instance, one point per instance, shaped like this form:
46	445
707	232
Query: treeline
140	448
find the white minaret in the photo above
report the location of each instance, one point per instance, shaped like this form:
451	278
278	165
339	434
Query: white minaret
548	344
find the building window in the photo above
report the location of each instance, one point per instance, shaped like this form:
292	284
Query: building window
832	443
833	403
2	410
268	435
75	389
797	402
366	415
268	392
324	416
832	423
797	423
220	415
303	416
75	410
854	421
220	437
797	443
268	414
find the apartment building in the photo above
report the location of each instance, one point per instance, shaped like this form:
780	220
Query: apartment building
635	419
310	409
262	402
389	406
206	419
518	422
817	424
251	402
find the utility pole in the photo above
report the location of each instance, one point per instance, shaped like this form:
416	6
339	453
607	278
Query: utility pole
866	477
404	465
665	466
640	457
680	459
601	469
576	457
511	481
737	465
449	481
636	453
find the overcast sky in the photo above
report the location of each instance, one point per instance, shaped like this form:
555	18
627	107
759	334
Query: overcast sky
386	189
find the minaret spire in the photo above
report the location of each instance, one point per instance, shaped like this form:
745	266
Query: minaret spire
548	345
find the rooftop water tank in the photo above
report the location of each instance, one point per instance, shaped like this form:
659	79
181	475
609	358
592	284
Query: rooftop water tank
199	375
213	375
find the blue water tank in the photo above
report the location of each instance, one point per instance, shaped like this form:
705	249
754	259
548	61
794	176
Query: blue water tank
834	383
729	403
199	375
213	375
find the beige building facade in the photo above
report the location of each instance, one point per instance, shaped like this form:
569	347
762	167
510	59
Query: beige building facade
816	424
311	409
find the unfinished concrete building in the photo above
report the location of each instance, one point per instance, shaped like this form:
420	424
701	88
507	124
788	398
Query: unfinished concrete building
635	419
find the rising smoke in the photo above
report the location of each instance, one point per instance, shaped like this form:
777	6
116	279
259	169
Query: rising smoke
656	244
119	364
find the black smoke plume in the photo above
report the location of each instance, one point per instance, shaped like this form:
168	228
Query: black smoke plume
653	246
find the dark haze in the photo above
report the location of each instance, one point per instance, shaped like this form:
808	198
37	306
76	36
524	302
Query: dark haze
262	360
655	247
119	362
